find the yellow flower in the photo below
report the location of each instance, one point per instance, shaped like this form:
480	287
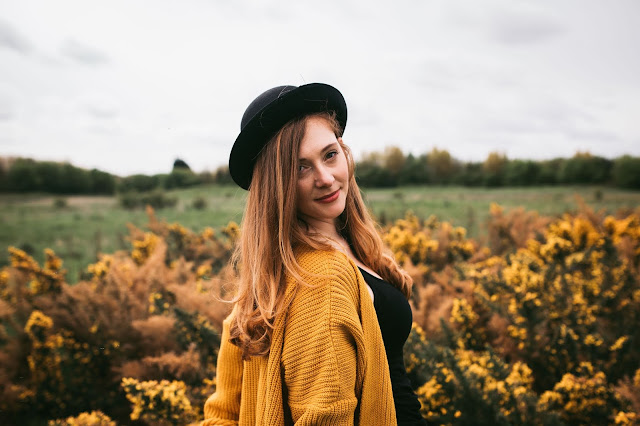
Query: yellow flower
94	418
208	233
203	271
142	249
623	418
619	343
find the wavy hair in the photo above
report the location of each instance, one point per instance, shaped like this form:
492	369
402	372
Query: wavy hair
271	231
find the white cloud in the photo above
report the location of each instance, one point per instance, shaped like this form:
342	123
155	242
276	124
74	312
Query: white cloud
128	88
83	53
12	39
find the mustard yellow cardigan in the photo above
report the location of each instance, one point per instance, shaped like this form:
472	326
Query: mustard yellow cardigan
327	364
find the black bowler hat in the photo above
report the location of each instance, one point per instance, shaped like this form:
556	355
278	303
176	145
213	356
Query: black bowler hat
269	112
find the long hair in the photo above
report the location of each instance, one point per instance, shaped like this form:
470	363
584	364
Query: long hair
271	231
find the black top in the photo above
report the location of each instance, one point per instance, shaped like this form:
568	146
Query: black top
395	318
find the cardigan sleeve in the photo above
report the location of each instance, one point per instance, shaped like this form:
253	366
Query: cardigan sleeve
319	358
223	407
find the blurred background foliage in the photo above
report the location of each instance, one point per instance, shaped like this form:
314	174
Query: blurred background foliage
390	168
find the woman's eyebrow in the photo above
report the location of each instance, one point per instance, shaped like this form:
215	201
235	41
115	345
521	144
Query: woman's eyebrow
326	148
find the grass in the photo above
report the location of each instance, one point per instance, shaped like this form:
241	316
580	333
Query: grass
84	226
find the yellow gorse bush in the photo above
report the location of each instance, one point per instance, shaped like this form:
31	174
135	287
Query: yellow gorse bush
158	402
537	327
430	243
41	280
94	418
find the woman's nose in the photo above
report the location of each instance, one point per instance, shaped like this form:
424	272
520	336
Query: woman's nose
324	177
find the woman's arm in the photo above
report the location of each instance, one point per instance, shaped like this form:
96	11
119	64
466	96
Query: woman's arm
223	407
319	355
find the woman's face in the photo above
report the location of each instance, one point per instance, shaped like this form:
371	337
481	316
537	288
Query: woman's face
323	174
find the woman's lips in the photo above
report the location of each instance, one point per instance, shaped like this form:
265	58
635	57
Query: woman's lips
329	198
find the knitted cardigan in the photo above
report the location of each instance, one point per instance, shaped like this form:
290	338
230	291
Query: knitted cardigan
326	366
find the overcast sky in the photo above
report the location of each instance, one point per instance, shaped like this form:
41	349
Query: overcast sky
128	86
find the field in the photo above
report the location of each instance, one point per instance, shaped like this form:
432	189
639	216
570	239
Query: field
522	316
90	225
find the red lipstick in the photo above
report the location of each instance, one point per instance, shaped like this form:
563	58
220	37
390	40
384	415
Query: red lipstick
329	198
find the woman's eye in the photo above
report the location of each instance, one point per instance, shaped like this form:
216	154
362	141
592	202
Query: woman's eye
331	154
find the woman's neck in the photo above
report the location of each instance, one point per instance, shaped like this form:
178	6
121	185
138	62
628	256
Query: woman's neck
326	229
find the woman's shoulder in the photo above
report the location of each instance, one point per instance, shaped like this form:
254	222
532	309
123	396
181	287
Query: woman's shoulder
328	268
325	261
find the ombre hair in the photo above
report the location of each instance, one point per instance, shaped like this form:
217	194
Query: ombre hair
271	231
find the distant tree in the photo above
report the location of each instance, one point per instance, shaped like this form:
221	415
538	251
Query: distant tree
207	177
374	157
4	171
180	164
222	175
393	160
414	171
469	174
102	182
548	174
51	176
626	172
441	166
76	180
181	178
494	169
521	173
139	183
23	176
585	168
371	172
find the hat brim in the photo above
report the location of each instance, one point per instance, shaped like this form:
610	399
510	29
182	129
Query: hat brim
303	100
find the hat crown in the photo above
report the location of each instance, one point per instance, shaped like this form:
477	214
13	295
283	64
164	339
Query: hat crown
262	101
269	112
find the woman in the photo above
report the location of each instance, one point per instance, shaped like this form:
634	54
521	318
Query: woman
317	330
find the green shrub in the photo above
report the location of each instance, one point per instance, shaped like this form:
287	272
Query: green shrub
585	168
60	203
181	178
138	183
156	199
626	172
199	203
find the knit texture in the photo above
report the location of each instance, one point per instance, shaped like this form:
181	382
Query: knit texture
326	366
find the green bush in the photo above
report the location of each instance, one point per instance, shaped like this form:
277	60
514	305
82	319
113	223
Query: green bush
181	178
585	168
60	203
521	173
23	177
140	183
27	175
626	172
470	174
372	175
156	199
222	175
102	182
199	203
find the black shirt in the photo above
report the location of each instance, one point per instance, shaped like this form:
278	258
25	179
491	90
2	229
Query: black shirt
395	318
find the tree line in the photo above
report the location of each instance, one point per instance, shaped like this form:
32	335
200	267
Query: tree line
389	168
438	167
23	175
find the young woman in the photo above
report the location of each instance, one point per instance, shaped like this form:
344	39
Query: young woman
321	312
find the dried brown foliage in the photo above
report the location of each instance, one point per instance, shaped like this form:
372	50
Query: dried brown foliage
436	299
151	313
509	231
